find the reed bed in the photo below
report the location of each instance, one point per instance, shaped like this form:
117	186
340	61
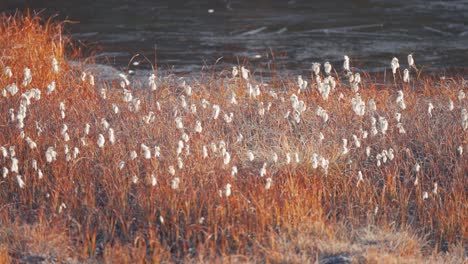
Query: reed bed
226	168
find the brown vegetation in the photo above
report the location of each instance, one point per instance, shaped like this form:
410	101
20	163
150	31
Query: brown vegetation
101	204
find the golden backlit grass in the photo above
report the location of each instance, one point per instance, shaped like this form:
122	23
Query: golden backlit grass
88	208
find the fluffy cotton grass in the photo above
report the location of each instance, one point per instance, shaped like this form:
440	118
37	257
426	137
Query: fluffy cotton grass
221	168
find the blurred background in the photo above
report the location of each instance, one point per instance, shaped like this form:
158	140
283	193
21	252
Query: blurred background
268	35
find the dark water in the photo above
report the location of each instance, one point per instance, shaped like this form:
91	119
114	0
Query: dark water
283	35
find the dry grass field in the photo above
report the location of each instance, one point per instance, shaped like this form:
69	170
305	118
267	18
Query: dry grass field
224	168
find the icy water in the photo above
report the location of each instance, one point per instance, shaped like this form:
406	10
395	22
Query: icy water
271	35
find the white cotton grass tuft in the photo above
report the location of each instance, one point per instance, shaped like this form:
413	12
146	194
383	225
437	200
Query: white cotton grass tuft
394	65
234	171
216	111
401	129
171	170
261	109
234	72
55	65
14	165
327	68
425	195
4	152
460	150
263	170
461	95
406	76
411	61
227	190
371	105
87	128
127	95
228	117
20	181
324	89
185	137
61	207
322	113
111	135
133	155
91	79
34	164
205	152
250	155
321	137
383	123
296	157
125	82
451	105
12	89
103	93
355	83
345	149
7	71
398	117
83	76
378	158
31	143
179	124
146	151
430	107
101	141
27	77
331	82
360	178
346	64
76	151
12	151
152	82
121	165
153	180
180	147
288	158
357	143
51	87
175	183
51	155
233	99
135	179
301	83
464	119
314	160
245	73
316	68
374	130
390	154
400	100
268	183
198	127
274	157
324	163
226	158
368	151
157	151
359	107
